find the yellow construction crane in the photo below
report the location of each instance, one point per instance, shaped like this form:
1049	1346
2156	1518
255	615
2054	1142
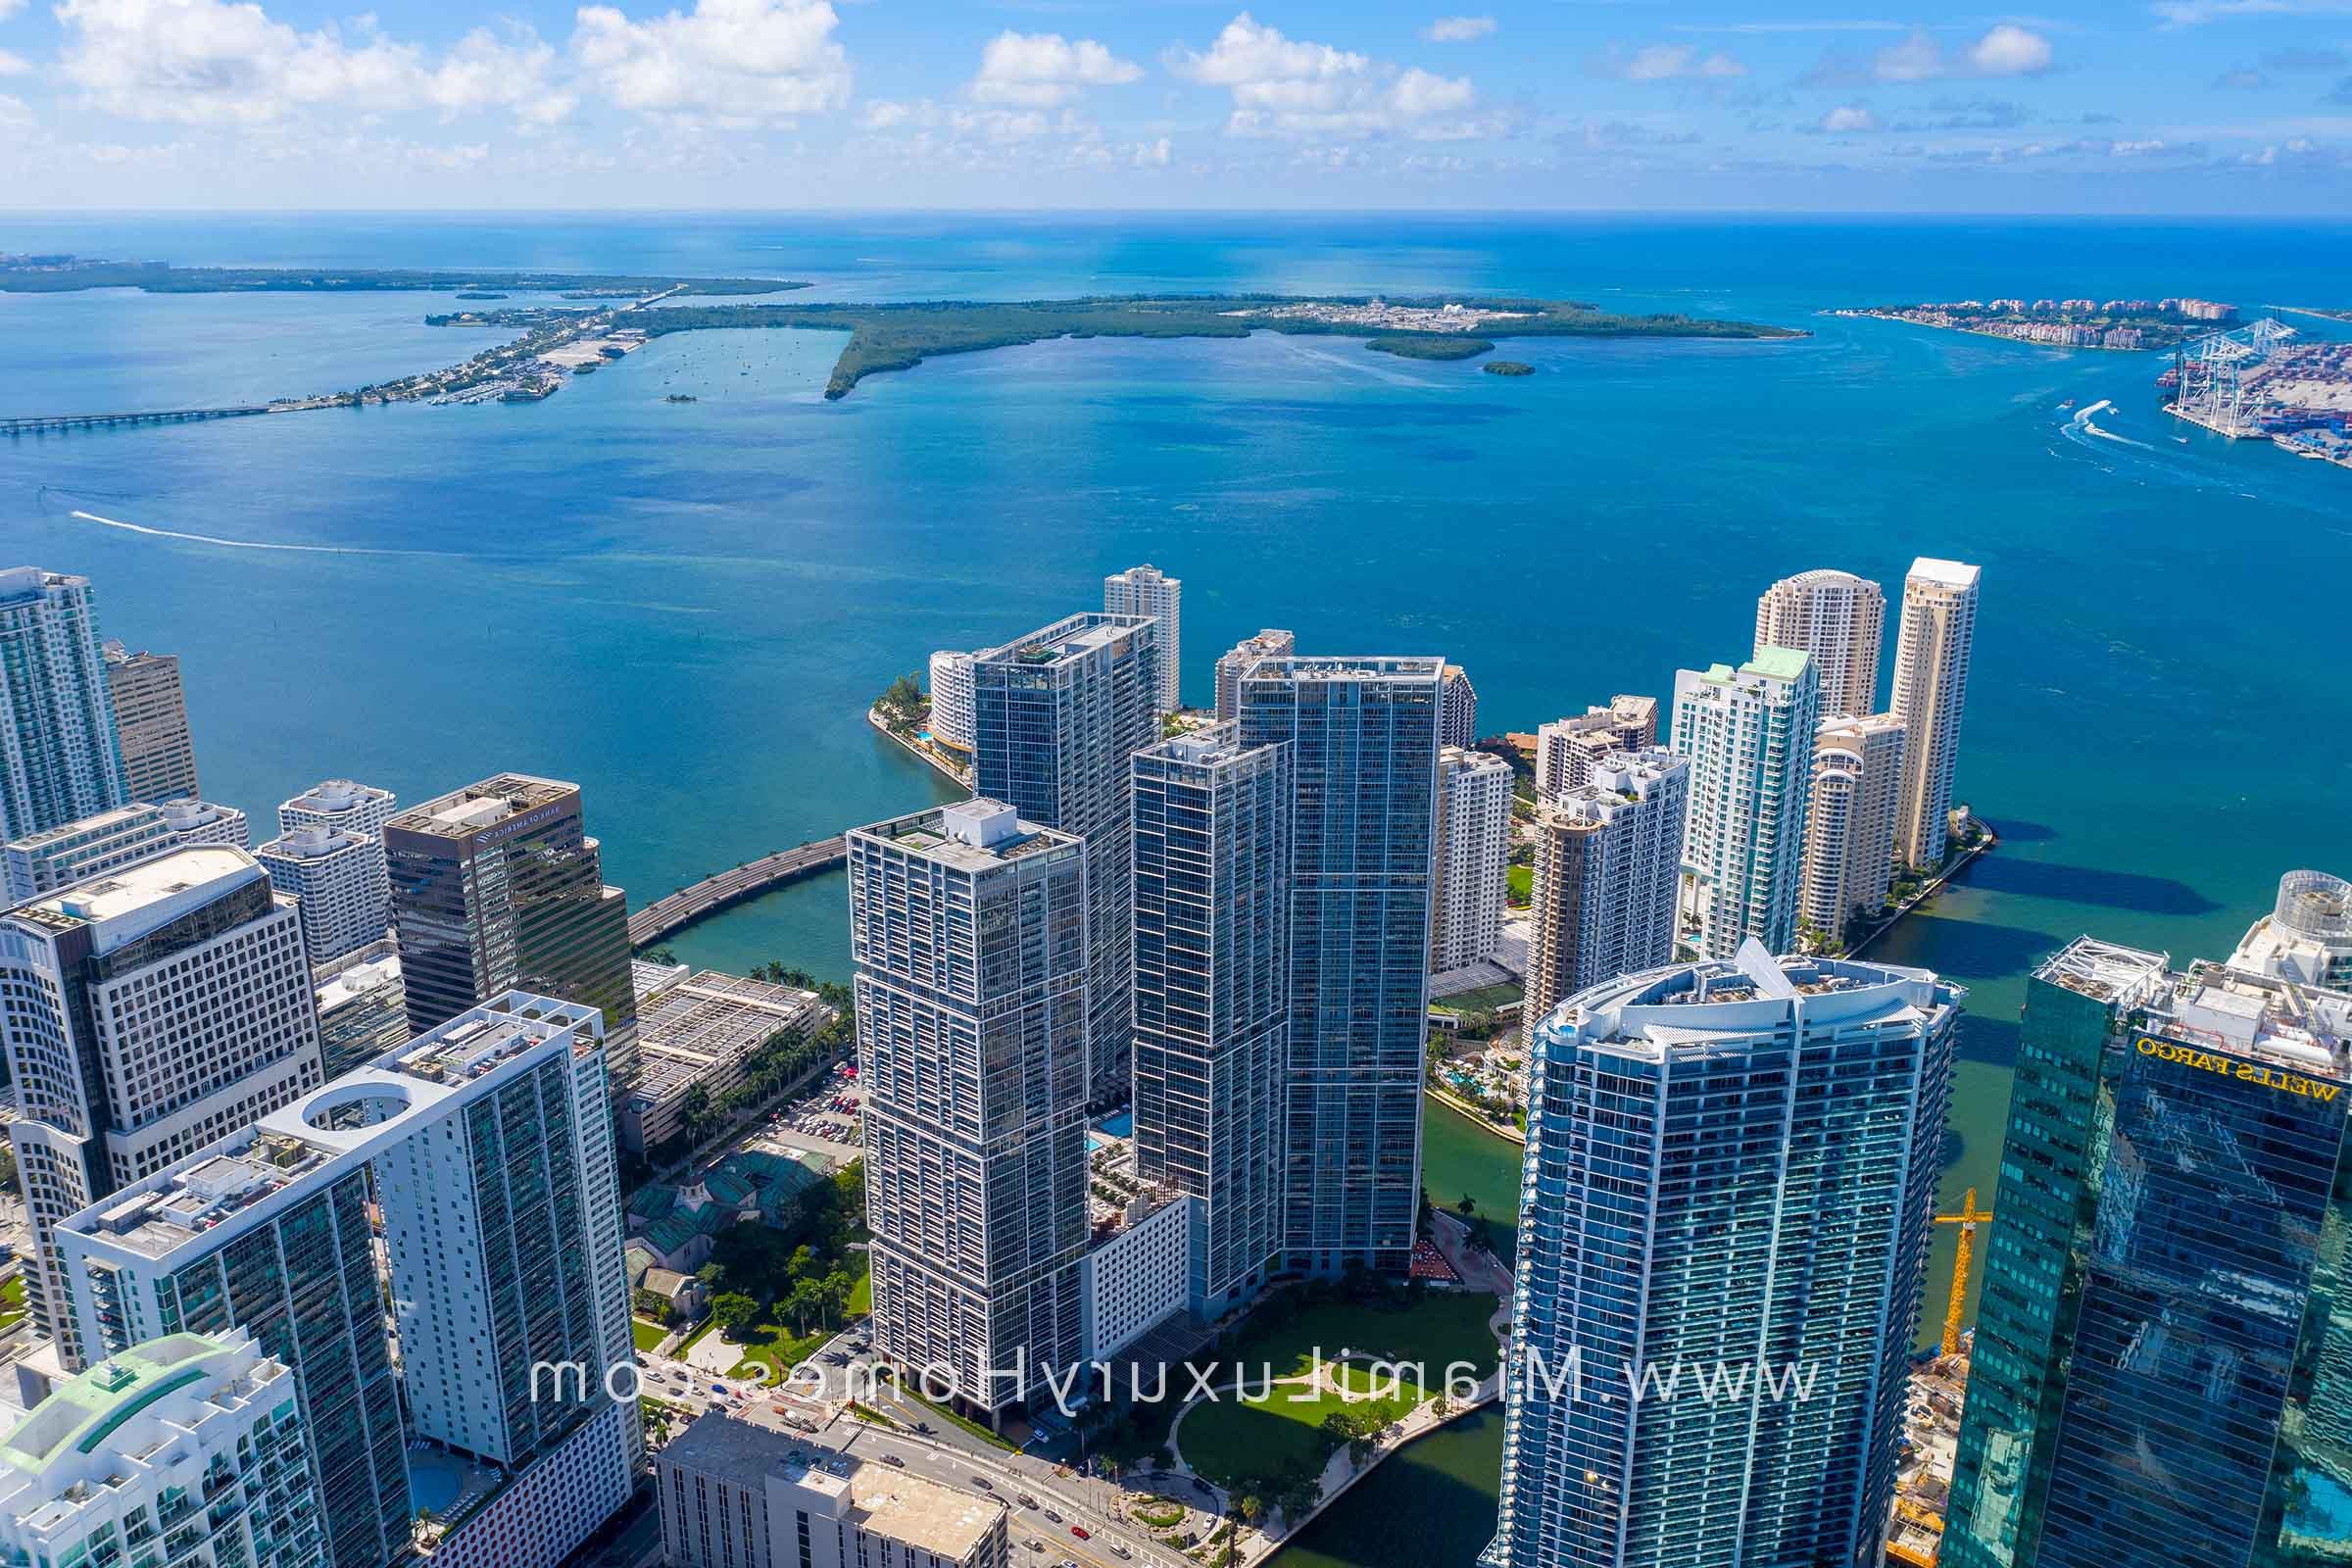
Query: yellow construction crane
1968	1219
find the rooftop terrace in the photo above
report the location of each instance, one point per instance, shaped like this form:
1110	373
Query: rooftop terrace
461	814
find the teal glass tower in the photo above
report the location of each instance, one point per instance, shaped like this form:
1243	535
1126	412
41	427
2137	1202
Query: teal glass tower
1724	1224
2163	1359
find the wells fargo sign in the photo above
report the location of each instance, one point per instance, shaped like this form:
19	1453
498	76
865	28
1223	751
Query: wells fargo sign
2253	1072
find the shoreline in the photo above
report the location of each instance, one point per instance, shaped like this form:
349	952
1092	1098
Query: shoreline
962	779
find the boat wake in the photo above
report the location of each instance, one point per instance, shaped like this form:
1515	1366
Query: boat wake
249	544
2082	423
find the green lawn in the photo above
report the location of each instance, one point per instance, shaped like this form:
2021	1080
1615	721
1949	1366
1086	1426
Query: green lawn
1229	1441
1486	996
946	1414
649	1336
1441	1328
1521	880
771	1350
12	1302
862	1298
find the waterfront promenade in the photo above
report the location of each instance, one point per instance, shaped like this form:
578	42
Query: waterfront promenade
682	908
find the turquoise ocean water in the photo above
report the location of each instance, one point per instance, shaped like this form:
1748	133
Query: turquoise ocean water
687	607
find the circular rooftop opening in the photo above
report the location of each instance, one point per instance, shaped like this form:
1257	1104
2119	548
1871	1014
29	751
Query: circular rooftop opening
341	1107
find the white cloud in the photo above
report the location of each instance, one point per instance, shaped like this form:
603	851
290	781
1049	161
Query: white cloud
1458	30
1849	117
1289	87
15	113
9	8
2194	13
13	65
1043	70
1671	62
1151	154
740	62
207	61
2005	50
2008	50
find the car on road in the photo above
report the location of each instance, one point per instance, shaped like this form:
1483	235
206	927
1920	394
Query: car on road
983	1483
1082	1532
1118	1549
1027	1502
1051	1514
894	1461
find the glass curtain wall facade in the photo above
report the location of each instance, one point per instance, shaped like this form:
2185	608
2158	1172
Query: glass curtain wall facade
1056	716
2171	1380
1363	737
1724	1226
1212	846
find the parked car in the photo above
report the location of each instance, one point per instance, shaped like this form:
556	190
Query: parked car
894	1461
1082	1532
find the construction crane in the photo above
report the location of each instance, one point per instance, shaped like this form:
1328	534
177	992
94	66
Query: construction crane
1968	1219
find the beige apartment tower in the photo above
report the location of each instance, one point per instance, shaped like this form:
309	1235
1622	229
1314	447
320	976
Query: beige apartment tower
1849	829
1568	749
1840	620
1608	865
151	721
1931	688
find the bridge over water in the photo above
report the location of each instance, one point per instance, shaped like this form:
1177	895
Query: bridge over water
707	897
37	423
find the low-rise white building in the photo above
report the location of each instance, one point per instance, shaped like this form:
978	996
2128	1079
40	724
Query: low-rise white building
1136	1276
187	1451
195	823
738	1496
341	804
88	847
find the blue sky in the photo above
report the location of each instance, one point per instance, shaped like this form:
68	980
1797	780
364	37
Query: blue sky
2144	106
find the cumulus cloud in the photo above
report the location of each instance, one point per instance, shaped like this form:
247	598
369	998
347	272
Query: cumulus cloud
1847	118
739	61
1045	69
1290	87
9	8
211	63
2005	50
1458	30
1151	154
15	113
13	65
1670	62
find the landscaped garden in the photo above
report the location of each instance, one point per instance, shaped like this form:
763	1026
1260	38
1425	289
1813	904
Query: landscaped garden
647	1336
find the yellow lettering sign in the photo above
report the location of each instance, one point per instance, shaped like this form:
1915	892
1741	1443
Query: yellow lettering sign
2253	1072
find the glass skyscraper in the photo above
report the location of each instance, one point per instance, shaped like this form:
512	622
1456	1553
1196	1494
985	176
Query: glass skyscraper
2163	1360
1363	739
1212	850
498	887
1723	1235
1056	716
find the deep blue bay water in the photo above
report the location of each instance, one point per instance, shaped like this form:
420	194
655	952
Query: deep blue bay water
687	607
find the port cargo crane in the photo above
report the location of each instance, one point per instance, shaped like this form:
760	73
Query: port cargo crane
2212	384
1968	1219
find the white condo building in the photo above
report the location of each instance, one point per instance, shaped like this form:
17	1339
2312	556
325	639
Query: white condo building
60	758
1567	749
339	877
478	1162
1474	852
194	823
1931	689
952	699
969	928
1148	591
1849	824
1839	619
339	804
1748	734
146	1013
75	852
187	1451
1457	709
1608	865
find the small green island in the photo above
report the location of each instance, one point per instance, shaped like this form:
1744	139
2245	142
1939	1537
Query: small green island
476	294
900	336
1508	368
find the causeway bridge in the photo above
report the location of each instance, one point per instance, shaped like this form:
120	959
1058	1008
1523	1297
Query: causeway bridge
682	908
35	424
